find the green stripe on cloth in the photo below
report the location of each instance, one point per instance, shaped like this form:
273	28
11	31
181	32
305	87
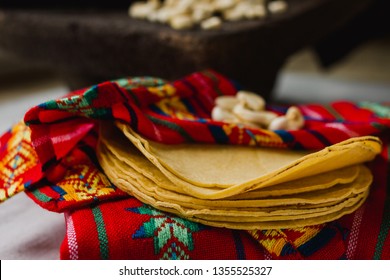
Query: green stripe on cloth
384	231
40	196
102	234
215	79
382	111
333	112
379	126
172	126
135	98
385	225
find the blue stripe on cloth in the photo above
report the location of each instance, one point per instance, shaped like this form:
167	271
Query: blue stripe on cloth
298	146
190	86
195	93
277	108
133	117
157	110
219	134
236	85
189	106
239	246
320	137
286	136
60	191
317	242
288	249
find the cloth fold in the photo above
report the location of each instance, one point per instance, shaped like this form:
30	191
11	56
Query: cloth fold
53	159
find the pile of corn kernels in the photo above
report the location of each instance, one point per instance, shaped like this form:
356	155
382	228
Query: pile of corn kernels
249	109
208	14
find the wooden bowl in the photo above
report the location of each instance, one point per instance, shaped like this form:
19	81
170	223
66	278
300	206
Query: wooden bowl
90	46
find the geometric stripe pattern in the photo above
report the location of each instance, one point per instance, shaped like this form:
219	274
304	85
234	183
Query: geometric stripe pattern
287	243
81	183
354	233
172	235
180	111
19	165
72	238
101	230
383	242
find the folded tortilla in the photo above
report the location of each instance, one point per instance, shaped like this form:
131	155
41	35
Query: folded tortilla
255	218
285	165
336	192
252	187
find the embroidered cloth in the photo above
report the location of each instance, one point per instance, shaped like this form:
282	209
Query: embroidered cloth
51	156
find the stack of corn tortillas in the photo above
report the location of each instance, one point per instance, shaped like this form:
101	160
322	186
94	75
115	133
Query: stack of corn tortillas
240	187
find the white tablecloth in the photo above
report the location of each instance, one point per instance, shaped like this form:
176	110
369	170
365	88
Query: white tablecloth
27	231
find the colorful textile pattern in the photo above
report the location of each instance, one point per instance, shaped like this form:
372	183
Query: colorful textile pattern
76	181
172	236
19	165
312	242
179	112
128	229
54	161
83	184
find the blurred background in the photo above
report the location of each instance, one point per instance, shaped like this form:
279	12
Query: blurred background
350	62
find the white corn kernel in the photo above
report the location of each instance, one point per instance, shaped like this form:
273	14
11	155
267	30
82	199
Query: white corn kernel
233	14
279	123
277	7
251	100
180	22
140	10
171	3
185	5
201	10
211	23
295	118
152	16
199	15
226	102
164	15
257	11
222	5
220	114
257	117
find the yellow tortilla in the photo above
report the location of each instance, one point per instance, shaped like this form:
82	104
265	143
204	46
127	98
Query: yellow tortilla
247	221
252	188
282	224
344	154
137	163
229	214
329	195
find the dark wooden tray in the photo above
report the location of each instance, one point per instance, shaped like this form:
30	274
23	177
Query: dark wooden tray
87	47
47	4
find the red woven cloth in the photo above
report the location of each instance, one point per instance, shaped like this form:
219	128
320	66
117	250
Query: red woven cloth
177	112
54	161
128	229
